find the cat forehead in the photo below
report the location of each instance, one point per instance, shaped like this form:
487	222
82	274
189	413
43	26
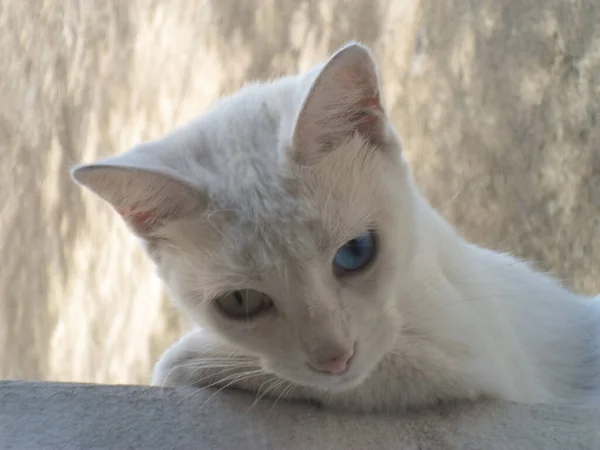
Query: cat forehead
242	142
344	190
239	142
264	226
252	122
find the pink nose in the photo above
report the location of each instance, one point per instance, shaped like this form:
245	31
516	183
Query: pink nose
337	365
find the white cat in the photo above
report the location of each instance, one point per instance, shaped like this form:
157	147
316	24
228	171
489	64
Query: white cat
287	224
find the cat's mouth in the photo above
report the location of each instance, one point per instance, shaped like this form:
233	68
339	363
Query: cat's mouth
344	382
358	371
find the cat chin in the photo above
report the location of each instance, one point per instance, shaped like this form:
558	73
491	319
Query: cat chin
344	383
330	383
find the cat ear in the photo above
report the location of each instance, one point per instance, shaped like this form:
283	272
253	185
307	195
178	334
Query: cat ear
344	99
143	188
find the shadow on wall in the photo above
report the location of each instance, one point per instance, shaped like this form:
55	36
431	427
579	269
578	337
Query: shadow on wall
496	102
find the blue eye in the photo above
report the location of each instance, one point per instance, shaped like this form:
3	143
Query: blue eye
355	254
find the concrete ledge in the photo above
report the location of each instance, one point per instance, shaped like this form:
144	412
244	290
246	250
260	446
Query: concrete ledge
59	415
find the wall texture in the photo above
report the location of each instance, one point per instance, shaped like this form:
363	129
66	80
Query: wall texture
497	101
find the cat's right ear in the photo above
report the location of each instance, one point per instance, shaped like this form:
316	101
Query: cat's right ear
143	188
344	99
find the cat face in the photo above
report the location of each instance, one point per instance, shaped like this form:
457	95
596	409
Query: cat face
281	220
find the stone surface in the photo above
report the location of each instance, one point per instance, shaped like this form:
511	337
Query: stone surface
47	415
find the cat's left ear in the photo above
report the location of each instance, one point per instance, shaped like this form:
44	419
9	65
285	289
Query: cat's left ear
344	99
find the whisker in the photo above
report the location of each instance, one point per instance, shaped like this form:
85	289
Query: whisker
464	182
202	364
235	378
237	367
242	377
276	384
284	392
275	381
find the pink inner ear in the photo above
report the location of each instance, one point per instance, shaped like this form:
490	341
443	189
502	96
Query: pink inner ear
373	102
370	110
140	219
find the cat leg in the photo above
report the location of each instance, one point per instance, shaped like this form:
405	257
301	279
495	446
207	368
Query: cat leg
199	360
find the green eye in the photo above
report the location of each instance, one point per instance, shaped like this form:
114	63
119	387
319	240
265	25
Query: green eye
244	304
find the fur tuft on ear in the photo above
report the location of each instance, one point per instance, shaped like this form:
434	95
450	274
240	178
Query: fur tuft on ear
144	190
344	99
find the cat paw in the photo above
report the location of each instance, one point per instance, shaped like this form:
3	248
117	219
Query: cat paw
198	360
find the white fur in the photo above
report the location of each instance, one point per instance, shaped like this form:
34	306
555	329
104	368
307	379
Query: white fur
260	193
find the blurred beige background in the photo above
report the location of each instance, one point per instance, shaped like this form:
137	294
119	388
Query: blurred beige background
498	102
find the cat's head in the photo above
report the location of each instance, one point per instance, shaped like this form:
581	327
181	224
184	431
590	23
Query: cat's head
281	220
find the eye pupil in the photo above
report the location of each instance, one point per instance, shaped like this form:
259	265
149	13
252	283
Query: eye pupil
238	298
356	254
353	246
